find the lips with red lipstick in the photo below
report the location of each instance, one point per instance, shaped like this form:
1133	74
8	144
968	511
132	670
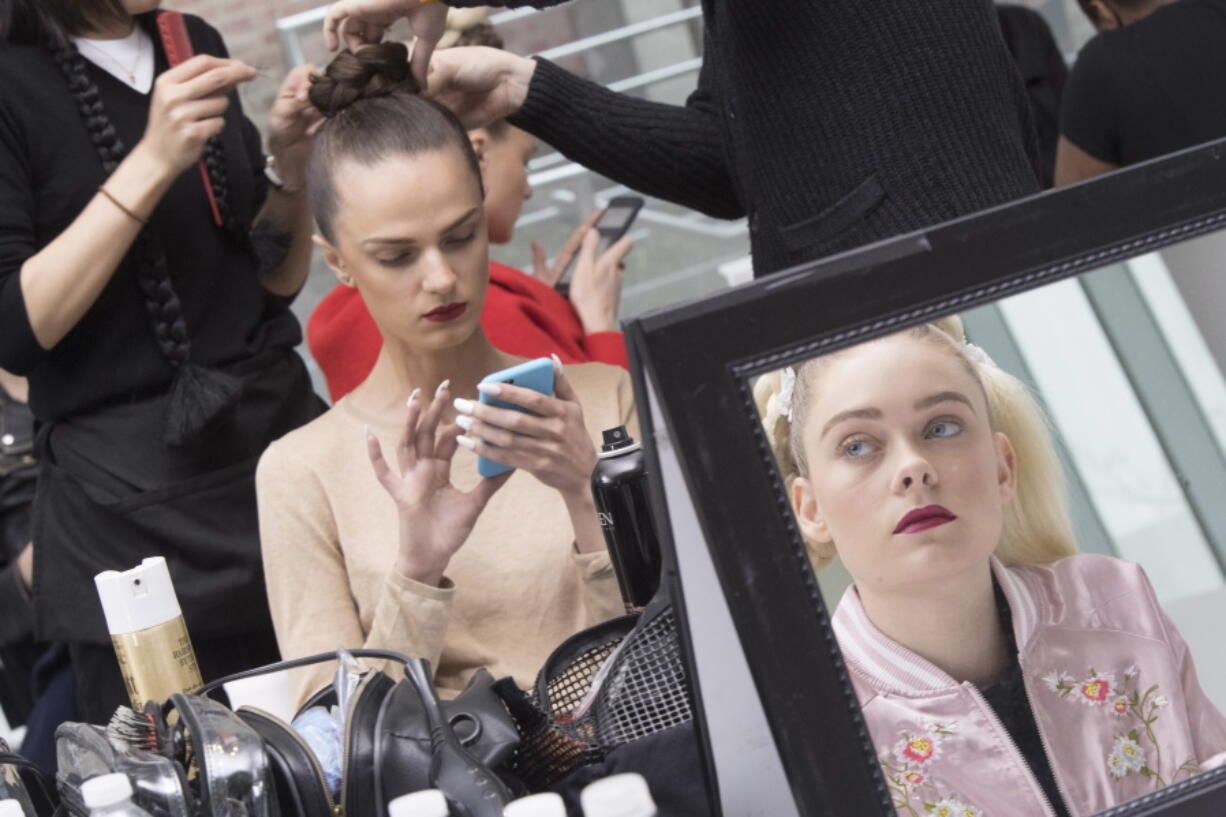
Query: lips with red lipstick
449	312
922	519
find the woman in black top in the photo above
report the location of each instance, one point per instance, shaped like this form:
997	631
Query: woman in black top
157	342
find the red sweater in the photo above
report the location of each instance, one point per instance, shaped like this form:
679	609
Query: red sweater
522	317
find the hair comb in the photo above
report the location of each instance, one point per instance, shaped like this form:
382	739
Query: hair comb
178	47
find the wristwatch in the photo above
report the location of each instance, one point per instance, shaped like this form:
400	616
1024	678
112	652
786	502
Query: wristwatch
274	178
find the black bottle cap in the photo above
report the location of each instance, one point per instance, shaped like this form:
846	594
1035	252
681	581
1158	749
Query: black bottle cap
617	439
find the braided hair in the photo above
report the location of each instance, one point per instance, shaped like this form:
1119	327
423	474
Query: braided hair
197	395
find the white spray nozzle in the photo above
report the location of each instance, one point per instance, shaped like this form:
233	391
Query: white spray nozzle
428	803
139	598
536	805
620	795
11	808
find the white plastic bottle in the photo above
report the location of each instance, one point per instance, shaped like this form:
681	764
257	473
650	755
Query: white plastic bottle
11	808
110	795
536	805
427	803
621	795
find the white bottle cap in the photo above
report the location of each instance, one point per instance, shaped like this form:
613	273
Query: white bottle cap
428	803
106	790
538	805
621	795
11	808
139	598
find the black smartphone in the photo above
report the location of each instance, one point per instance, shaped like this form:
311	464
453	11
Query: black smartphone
613	223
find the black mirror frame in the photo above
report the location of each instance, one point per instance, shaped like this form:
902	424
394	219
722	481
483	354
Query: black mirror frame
699	359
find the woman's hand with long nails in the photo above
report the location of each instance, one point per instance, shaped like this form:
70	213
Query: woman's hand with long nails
551	443
436	518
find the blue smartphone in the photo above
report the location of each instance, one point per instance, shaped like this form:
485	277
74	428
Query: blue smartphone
536	375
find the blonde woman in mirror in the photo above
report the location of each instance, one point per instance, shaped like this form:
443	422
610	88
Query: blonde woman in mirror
999	673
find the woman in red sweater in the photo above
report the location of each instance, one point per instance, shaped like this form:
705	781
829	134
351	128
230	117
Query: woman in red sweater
524	314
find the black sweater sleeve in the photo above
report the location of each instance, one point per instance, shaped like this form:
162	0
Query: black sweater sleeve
673	152
19	349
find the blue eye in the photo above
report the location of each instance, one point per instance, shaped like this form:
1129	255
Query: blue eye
944	428
857	449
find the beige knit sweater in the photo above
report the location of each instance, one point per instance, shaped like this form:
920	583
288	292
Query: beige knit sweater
514	591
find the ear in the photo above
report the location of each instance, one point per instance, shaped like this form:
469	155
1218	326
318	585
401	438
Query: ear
480	139
333	259
1006	467
808	515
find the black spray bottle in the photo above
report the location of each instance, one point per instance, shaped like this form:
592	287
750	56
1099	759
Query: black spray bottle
619	485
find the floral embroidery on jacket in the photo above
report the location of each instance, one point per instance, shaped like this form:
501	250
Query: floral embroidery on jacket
909	777
1125	703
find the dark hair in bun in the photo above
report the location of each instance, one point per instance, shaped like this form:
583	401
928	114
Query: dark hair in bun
373	108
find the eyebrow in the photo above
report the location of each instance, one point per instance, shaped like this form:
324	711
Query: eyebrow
875	414
409	241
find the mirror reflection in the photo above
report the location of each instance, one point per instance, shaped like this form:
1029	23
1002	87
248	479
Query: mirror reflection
1014	516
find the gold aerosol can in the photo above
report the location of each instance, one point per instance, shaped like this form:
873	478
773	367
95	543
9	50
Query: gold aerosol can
147	629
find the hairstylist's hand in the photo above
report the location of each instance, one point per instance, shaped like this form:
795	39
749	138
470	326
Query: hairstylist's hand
596	287
291	125
552	443
435	516
480	85
549	275
361	22
188	107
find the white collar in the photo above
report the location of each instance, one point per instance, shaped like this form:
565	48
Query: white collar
890	665
129	59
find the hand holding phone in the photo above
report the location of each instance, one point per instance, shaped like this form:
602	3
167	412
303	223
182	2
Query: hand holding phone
613	223
536	375
536	424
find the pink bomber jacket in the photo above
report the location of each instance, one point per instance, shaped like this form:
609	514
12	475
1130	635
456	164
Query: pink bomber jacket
1110	682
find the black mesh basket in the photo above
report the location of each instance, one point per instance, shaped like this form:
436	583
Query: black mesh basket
605	687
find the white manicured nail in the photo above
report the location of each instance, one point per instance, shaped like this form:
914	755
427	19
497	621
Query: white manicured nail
413	395
442	387
467	442
369	433
492	389
557	362
463	406
464	422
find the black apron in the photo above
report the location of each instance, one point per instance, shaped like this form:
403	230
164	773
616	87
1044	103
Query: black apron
111	494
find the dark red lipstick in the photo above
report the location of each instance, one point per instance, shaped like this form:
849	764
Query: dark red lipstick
922	519
446	313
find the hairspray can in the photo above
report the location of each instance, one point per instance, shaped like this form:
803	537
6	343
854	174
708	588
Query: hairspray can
619	485
147	629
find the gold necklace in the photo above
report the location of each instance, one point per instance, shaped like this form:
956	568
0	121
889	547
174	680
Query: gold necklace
131	72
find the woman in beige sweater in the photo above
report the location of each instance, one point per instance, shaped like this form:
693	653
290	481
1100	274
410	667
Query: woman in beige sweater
415	552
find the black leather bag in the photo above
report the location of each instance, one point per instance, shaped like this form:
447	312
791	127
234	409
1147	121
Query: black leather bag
391	745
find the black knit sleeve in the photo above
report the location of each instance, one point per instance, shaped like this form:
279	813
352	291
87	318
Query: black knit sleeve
1088	116
19	349
673	152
